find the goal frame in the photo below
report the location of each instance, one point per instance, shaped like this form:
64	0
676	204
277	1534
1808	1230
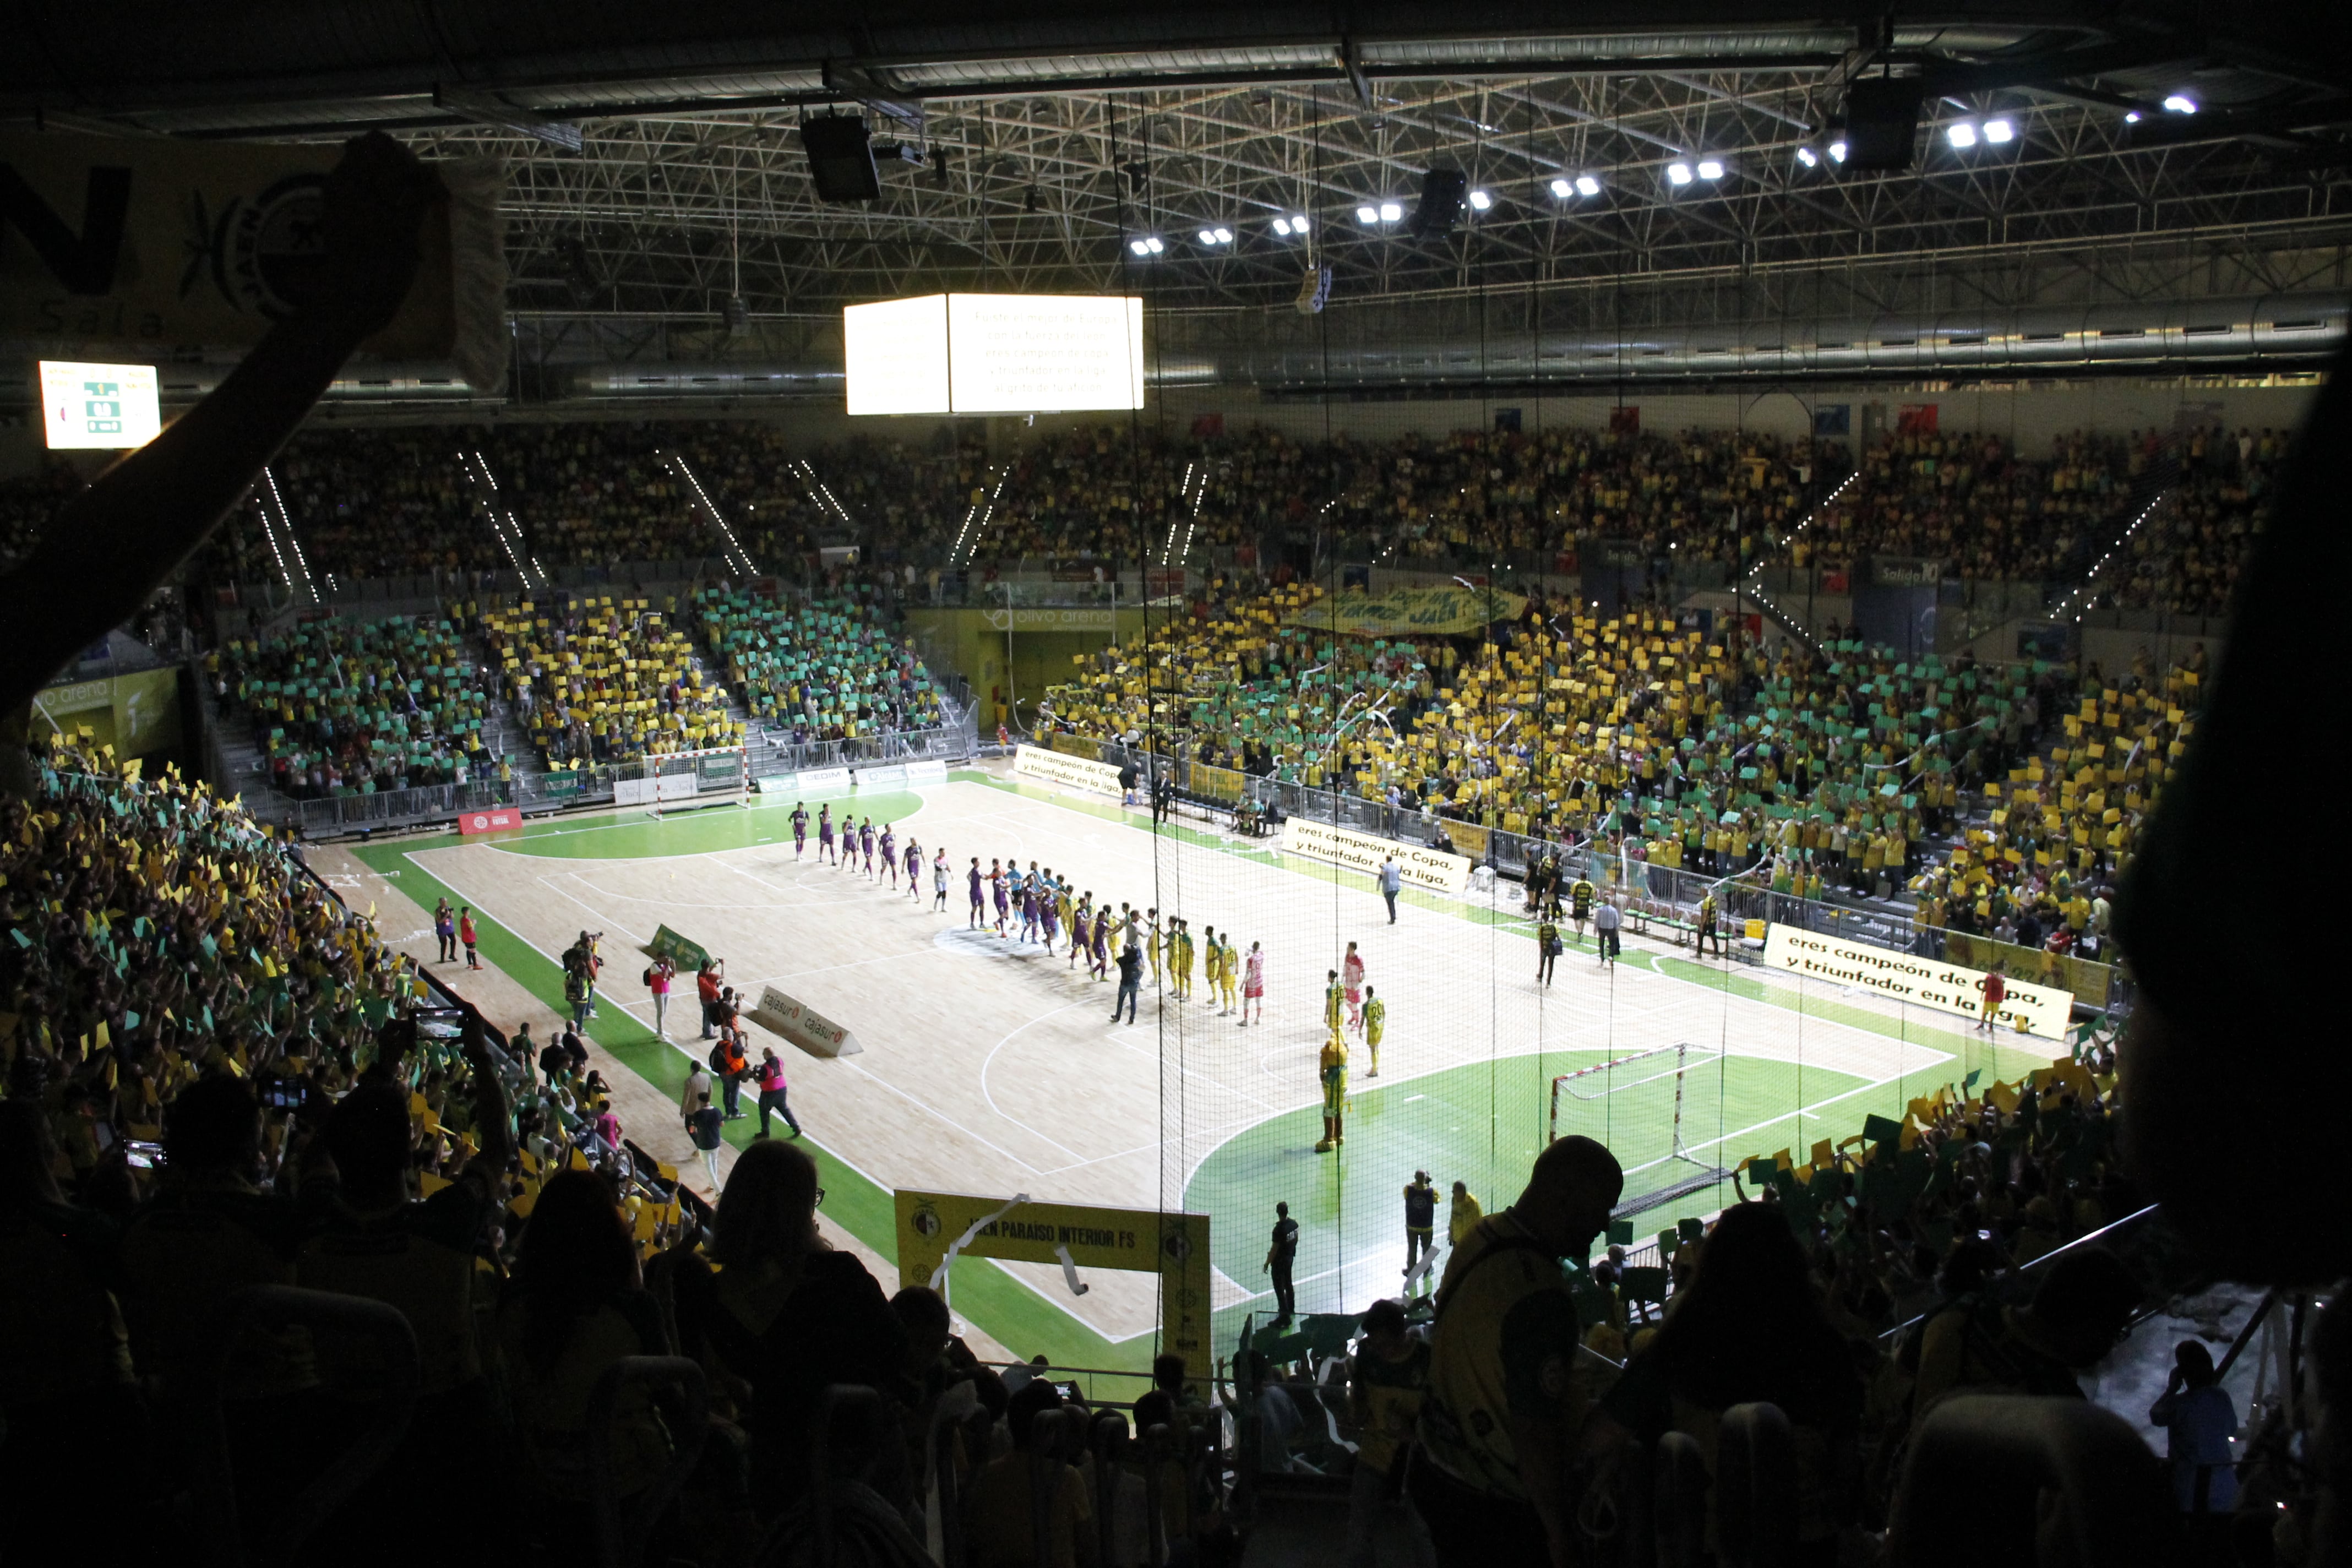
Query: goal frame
1563	1085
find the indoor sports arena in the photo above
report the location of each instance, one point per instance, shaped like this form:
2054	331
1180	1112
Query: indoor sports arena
1172	787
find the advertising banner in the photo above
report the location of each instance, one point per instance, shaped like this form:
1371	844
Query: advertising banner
1905	977
824	781
1451	611
154	243
936	1228
1433	868
504	816
1069	771
892	777
804	1027
927	773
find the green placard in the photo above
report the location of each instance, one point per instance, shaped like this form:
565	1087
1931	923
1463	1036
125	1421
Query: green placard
688	956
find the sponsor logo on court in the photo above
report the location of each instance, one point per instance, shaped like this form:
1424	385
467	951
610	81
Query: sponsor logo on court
1434	868
1906	977
1069	771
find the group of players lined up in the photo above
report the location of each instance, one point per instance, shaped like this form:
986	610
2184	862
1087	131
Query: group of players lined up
881	854
1039	907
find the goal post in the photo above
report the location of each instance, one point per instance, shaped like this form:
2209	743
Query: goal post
1602	1080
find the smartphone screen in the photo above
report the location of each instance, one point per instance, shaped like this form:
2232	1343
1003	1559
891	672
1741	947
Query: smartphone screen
143	1155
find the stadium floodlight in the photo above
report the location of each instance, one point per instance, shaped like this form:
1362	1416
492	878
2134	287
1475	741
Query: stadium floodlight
1563	189
2131	117
1837	150
1368	214
1224	235
1298	223
1156	246
1710	169
1586	185
1481	200
1678	174
1960	133
2180	103
1997	132
1140	247
1390	212
1208	236
1808	157
1282	226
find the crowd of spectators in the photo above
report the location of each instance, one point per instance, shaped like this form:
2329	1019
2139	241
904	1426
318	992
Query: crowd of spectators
376	503
2185	561
355	707
822	669
2039	871
27	504
1976	504
597	680
595	495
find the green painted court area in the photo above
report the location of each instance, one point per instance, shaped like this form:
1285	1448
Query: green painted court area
1482	1122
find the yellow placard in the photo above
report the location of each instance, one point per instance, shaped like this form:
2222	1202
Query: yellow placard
936	1227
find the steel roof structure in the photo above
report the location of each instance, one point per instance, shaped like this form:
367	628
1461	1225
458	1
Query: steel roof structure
656	171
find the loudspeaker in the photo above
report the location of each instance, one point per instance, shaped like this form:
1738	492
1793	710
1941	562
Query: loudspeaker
841	159
1882	123
1441	191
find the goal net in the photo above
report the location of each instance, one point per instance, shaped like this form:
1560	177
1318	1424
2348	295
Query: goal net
1637	1101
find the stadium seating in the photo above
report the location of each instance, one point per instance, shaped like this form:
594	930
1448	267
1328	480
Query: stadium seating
27	504
605	681
823	670
355	707
381	503
595	495
1971	501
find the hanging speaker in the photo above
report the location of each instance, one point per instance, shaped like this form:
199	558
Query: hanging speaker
1882	123
1440	207
841	158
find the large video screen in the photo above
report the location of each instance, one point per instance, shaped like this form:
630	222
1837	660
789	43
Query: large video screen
1020	354
994	353
97	405
897	352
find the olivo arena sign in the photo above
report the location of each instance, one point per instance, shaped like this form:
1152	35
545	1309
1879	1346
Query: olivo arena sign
1906	977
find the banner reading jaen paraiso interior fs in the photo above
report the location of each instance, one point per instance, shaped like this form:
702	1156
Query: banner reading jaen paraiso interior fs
1905	977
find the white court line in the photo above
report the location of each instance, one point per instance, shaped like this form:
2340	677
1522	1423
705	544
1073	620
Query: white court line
990	1061
549	883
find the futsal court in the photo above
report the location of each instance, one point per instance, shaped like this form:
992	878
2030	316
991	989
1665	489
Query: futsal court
990	1065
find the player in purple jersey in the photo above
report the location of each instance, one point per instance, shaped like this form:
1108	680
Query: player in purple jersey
890	848
1046	917
1102	942
978	896
866	843
914	869
1003	895
800	828
824	835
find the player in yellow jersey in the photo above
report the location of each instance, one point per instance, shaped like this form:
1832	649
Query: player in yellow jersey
1332	1067
1229	972
1152	946
1212	959
1186	952
1333	1002
1376	1022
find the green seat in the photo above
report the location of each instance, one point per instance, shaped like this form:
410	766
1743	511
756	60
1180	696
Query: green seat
1691	1229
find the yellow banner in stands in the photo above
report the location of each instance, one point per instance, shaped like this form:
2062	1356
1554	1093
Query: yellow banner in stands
935	1228
1449	611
